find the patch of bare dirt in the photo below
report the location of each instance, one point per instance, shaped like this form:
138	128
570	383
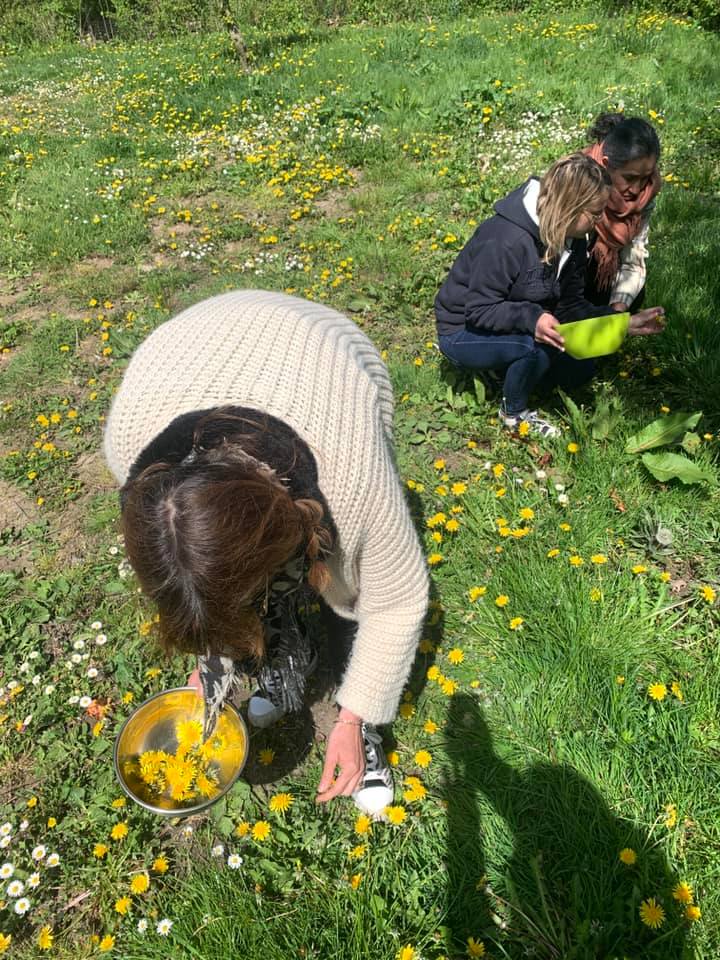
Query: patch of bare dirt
17	509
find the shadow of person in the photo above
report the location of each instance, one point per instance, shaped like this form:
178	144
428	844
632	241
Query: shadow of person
558	888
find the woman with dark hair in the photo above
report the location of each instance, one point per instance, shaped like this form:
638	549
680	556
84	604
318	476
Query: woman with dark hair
252	437
629	149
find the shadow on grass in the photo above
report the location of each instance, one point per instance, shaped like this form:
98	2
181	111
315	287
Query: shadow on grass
562	892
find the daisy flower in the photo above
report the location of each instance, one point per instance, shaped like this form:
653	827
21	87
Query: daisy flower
6	871
142	925
15	888
22	906
53	860
234	861
218	850
39	852
33	880
163	927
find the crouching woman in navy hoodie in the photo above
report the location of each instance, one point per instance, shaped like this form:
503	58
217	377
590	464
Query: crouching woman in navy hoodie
519	277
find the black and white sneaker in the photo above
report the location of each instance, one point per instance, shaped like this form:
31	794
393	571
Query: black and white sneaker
512	421
376	788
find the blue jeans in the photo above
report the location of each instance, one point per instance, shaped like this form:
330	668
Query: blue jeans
524	362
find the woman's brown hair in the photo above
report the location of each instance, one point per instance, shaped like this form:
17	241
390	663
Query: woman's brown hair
567	189
207	535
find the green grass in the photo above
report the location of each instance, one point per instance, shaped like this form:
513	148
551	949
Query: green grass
350	166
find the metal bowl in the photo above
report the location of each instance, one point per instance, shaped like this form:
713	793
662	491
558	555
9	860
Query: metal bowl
152	727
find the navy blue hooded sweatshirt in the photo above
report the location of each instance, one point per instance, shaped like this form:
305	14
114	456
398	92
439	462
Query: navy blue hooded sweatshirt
499	284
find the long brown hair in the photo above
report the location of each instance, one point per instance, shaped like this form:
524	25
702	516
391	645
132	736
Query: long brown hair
567	189
206	536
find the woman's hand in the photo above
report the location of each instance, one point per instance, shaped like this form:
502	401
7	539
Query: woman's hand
647	322
194	681
346	753
546	331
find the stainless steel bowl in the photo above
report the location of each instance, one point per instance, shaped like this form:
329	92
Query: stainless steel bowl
152	726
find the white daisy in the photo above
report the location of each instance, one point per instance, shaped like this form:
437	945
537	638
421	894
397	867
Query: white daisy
78	644
187	832
6	871
234	861
92	672
96	625
113	551
101	639
163	927
33	880
75	659
5	842
53	860
50	688
12	684
5	829
24	824
85	701
142	925
22	905
74	699
33	655
36	680
218	850
39	852
16	888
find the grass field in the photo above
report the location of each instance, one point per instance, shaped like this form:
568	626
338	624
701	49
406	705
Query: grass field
564	707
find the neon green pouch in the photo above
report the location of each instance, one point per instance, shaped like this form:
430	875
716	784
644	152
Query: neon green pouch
596	336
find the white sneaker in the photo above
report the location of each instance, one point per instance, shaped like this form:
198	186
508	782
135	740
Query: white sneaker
267	705
376	790
511	421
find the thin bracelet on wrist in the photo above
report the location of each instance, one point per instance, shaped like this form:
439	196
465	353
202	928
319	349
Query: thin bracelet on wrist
349	723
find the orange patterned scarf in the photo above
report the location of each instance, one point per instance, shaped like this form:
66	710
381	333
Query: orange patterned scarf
620	223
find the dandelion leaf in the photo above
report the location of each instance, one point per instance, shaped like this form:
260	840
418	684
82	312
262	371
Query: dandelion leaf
673	466
667	429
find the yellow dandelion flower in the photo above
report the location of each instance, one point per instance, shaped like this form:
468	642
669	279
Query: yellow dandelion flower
243	828
683	892
565	527
439	464
261	830
140	883
639	568
355	880
665	577
516	623
595	594
628	856
676	691
160	864
423	758
499	469
45	938
527	513
122	906
99	850
458	489
407	953
358	852
430	726
598	558
652	914
657	691
693	913
363	825
708	594
575	560
434	559
475	948
620	680
106	944
523	428
266	756
5	941
393	758
456	655
500	492
671	815
553	553
502	601
448	687
474	593
572	448
407	711
118	803
119	831
281	802
396	814
452	526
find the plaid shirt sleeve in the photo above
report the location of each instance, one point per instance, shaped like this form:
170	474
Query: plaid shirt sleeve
630	278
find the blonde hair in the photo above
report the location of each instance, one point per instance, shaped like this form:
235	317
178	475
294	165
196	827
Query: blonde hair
567	189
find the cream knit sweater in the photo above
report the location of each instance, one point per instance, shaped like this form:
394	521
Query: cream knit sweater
314	369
